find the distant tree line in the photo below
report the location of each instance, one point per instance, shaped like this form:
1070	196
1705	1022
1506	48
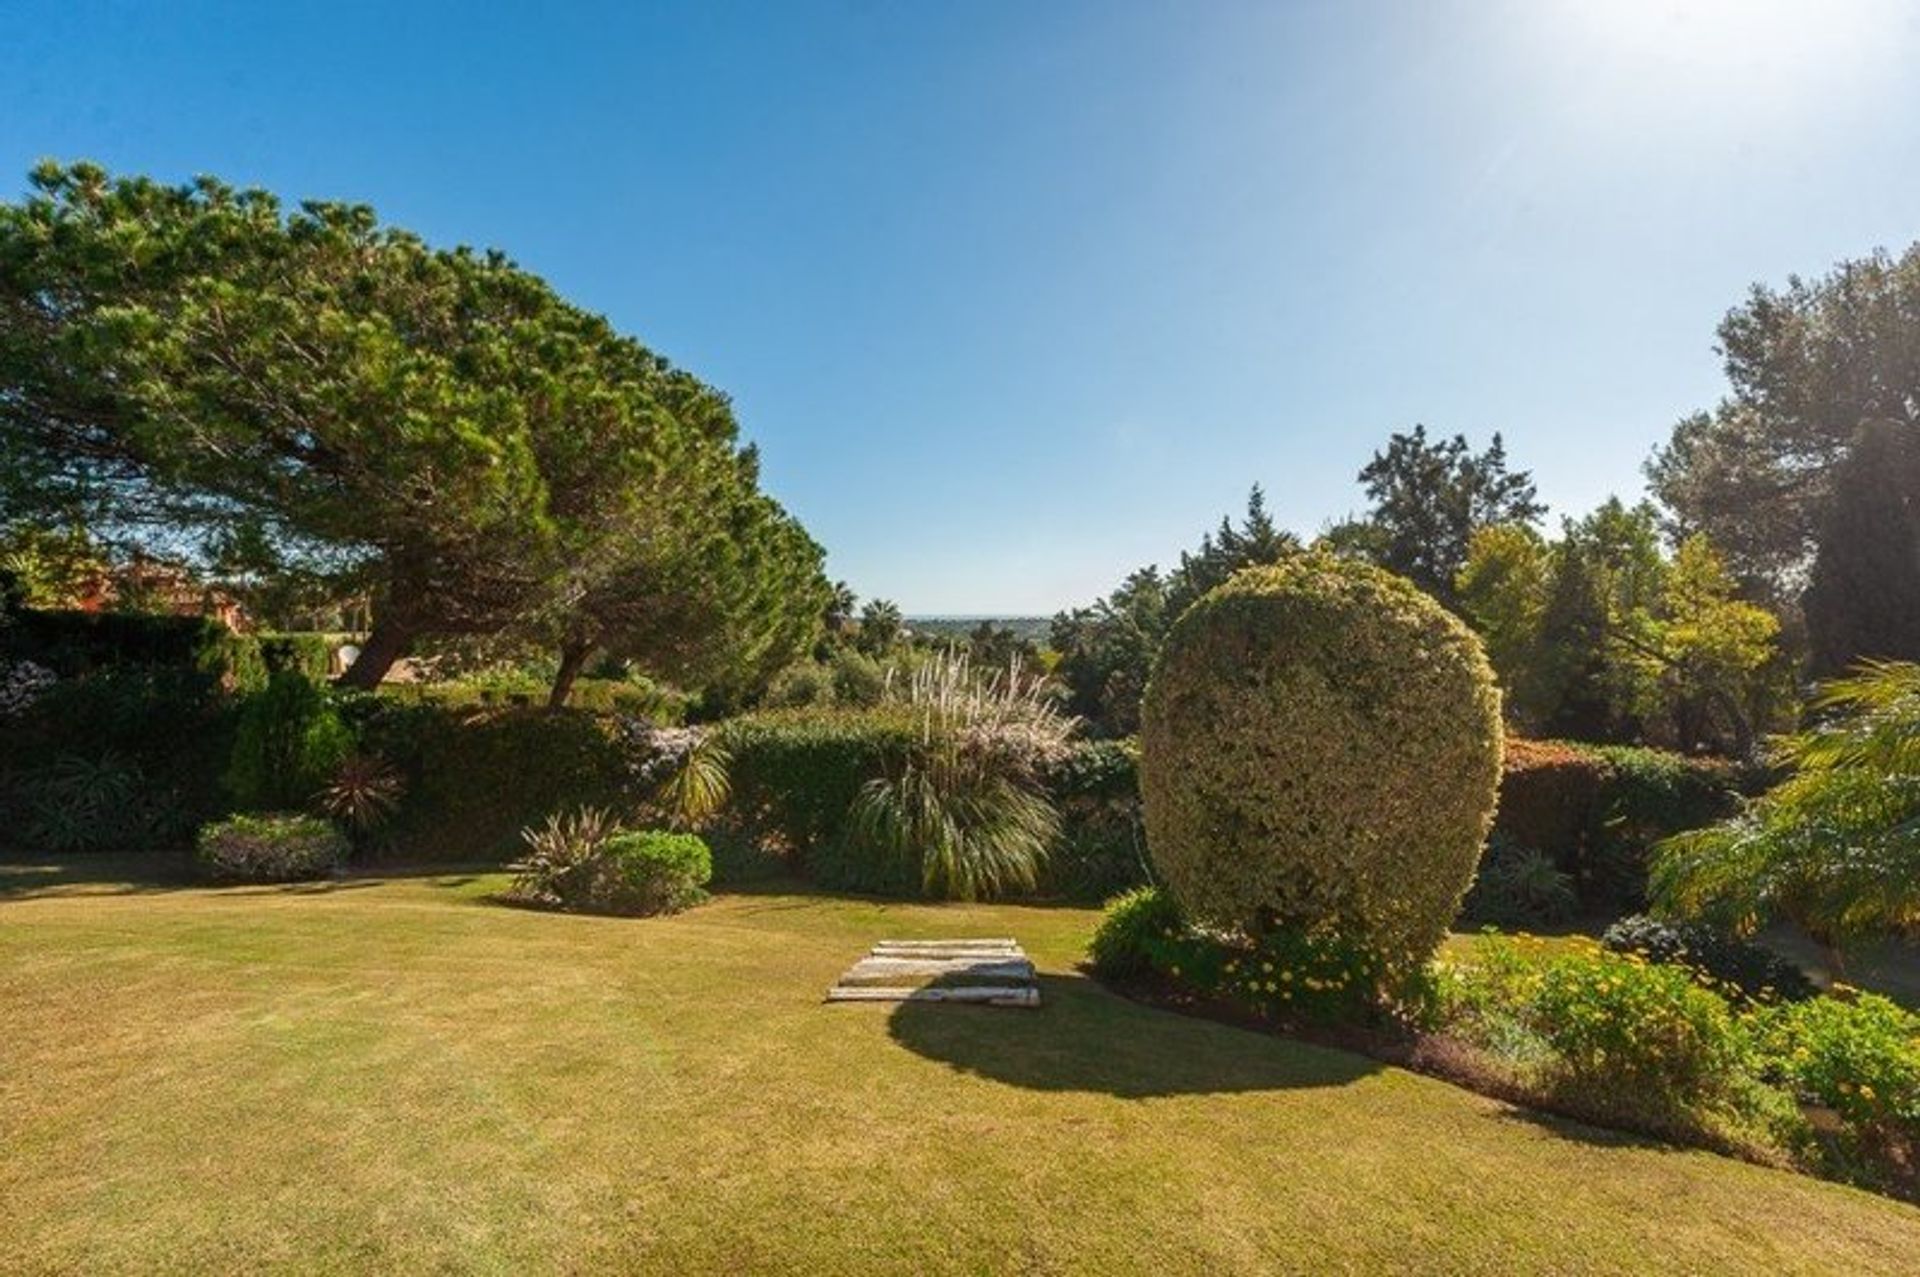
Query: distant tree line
1783	542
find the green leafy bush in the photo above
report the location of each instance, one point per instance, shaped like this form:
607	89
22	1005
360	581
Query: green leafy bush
1649	794
1856	1053
288	746
274	847
584	861
1519	887
1735	967
659	871
1132	932
310	655
858	681
1320	750
799	686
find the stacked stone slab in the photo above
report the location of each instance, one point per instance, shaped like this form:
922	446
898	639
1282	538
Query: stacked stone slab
990	972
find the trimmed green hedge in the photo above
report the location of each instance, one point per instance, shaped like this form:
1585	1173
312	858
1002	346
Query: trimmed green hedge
125	751
74	644
1596	809
1102	848
794	776
476	778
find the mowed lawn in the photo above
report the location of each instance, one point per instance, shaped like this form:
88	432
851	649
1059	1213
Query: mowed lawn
396	1074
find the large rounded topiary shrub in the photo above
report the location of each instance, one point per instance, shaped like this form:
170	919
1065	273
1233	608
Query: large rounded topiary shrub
1320	750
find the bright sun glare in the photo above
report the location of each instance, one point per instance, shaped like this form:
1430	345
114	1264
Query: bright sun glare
1756	49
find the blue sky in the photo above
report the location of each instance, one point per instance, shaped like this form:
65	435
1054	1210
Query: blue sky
1016	297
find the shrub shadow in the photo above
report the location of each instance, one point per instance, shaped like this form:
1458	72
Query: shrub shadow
107	874
1084	1038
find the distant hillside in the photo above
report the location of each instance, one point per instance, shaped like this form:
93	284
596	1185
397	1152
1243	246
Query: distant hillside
1033	628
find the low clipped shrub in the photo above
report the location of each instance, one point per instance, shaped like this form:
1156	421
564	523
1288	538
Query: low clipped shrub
1519	887
1319	753
274	847
584	861
1132	932
635	697
1737	967
289	743
657	871
1858	1054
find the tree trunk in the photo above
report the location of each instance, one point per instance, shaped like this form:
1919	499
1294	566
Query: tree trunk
1743	742
572	657
387	643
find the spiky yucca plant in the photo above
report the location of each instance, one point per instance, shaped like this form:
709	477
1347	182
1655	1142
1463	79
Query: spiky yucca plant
363	793
967	803
561	855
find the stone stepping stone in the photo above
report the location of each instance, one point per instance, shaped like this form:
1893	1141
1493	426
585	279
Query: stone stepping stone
994	972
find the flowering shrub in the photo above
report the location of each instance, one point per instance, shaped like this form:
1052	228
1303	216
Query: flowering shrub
1857	1053
270	848
1289	975
21	684
1635	1032
1282	975
680	771
1611	1037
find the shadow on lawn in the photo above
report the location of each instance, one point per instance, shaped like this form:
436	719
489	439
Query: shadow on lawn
1084	1038
23	875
